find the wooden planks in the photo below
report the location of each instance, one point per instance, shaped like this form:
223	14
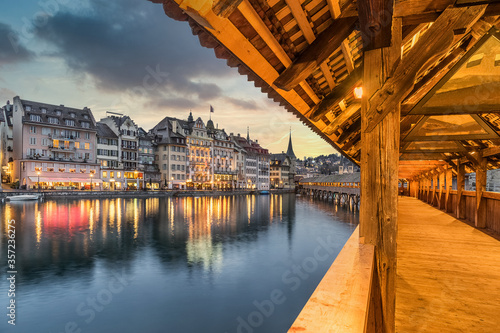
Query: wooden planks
339	303
448	273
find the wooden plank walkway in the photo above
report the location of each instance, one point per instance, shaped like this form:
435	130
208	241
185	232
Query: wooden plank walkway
448	273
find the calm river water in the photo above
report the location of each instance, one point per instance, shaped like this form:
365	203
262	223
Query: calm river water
211	264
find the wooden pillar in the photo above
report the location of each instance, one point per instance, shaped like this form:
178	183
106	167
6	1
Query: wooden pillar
379	175
460	209
441	190
449	183
430	191
480	218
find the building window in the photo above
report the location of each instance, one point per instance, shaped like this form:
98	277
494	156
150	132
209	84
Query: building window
35	117
105	174
85	124
87	145
58	112
33	129
69	122
44	110
77	145
87	136
118	175
53	120
28	108
32	141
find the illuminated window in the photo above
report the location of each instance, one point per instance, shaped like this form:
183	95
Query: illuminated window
55	143
105	174
77	145
87	145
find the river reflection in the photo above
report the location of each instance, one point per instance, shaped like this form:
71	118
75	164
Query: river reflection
191	264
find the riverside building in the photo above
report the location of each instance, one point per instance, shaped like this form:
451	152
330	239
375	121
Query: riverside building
54	147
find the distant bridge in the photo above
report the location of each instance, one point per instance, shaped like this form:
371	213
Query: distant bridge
341	189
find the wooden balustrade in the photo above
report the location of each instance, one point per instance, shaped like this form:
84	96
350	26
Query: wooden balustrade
469	198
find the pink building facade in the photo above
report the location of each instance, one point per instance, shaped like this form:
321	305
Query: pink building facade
54	146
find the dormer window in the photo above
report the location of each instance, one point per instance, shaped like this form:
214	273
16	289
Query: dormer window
58	112
85	116
44	110
28	107
85	124
72	115
34	117
69	122
53	120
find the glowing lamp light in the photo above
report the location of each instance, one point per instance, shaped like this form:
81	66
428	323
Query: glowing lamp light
358	92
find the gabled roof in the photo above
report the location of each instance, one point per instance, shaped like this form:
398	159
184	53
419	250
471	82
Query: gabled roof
66	113
104	131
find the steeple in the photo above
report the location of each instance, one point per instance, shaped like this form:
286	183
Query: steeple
190	118
290	152
248	134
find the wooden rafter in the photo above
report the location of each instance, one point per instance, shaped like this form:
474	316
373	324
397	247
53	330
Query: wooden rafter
316	53
336	95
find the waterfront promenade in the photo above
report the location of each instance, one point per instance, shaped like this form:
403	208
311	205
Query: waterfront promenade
134	194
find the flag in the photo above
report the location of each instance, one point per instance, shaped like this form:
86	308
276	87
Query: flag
211	109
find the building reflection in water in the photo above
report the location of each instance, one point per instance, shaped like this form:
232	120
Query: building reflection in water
54	237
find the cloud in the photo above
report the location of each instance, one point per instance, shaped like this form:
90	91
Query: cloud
5	95
172	103
130	45
243	104
11	51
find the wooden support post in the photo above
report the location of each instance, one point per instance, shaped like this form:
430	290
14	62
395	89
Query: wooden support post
441	190
435	189
379	176
460	188
449	181
480	218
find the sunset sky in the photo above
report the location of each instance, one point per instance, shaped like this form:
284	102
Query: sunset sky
127	56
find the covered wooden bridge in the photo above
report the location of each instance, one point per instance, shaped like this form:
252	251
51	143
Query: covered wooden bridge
341	189
408	90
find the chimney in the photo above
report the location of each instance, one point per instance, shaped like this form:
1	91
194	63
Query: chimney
61	105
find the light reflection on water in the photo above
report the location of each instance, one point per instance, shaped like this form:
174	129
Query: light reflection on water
193	264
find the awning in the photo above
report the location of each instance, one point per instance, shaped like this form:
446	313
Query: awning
64	180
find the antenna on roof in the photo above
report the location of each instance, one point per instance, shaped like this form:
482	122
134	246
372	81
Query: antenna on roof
116	113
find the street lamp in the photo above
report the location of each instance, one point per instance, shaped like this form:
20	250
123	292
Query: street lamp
91	175
38	183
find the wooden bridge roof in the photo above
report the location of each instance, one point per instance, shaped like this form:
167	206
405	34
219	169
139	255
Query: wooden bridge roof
307	55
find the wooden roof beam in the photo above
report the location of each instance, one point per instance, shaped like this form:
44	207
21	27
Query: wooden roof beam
256	22
431	45
375	21
316	53
305	27
335	11
336	95
342	118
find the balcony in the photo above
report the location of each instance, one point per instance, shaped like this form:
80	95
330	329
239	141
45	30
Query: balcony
70	150
61	137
